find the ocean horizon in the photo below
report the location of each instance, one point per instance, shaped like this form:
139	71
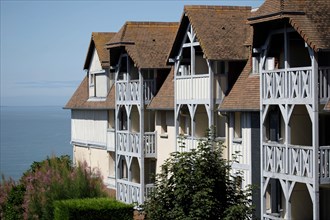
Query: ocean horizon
32	133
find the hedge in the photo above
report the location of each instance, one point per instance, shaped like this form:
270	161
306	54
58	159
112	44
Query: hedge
92	208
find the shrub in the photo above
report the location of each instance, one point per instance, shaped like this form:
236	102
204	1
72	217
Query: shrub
198	185
55	179
92	209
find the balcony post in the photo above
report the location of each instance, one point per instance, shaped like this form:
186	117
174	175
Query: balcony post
315	131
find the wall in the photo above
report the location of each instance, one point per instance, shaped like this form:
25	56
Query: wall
165	143
96	159
89	126
301	204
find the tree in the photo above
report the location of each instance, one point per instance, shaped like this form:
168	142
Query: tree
198	185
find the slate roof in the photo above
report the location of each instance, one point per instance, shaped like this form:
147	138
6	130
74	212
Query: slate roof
244	96
221	31
79	99
310	18
164	100
98	40
147	43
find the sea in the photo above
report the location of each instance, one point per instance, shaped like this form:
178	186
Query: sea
31	134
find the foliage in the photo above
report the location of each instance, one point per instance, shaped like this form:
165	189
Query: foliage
13	208
95	208
5	189
52	179
198	185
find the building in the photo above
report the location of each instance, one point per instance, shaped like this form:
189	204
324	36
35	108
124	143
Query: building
260	76
291	45
91	135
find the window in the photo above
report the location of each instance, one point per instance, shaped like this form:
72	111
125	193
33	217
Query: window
238	125
163	122
221	67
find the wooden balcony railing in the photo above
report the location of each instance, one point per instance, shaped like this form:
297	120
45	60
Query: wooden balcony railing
130	91
128	192
192	87
129	143
324	84
150	147
296	161
294	84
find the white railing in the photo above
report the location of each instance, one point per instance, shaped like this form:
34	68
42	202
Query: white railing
237	151
128	192
193	87
111	140
150	147
295	83
186	144
325	164
128	143
324	84
130	91
292	83
271	217
300	161
149	189
292	160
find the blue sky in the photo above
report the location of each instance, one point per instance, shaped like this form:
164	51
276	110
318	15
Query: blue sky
44	43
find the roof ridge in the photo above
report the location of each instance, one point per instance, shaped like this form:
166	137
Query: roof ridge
222	7
151	23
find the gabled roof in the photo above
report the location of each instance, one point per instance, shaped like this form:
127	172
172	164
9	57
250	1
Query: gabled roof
98	41
147	43
310	18
164	100
221	31
79	99
244	96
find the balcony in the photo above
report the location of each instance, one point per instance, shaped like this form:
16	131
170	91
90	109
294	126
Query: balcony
130	91
295	162
128	192
129	143
294	85
150	148
192	87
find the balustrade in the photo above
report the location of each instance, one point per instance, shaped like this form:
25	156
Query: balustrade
296	161
324	84
150	148
325	164
294	84
130	91
129	143
128	192
193	87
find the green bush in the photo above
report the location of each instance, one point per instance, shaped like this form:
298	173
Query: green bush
198	185
13	207
92	209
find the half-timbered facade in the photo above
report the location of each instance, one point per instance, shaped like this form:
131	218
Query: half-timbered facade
208	54
291	43
138	63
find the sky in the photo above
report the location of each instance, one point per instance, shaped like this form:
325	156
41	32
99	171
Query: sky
44	43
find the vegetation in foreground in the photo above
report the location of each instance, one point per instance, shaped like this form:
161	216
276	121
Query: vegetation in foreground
199	185
33	196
